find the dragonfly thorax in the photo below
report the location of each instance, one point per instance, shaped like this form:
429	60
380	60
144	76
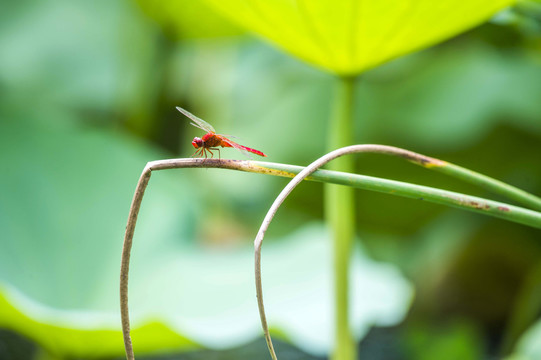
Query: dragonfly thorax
197	142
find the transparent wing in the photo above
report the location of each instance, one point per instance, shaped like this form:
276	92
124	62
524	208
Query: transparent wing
232	143
239	147
200	123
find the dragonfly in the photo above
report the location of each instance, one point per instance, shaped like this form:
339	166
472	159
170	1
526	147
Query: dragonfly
210	141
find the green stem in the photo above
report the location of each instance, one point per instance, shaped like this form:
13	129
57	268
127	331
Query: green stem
340	215
496	186
398	188
392	187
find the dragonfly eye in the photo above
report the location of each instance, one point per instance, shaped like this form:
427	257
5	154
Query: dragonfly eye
197	142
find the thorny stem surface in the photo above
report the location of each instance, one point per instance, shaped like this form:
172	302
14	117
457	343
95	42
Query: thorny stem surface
488	207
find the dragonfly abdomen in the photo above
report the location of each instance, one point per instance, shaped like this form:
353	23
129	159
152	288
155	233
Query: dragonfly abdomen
253	151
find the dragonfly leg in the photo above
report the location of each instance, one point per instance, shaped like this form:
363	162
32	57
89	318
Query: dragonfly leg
213	149
196	152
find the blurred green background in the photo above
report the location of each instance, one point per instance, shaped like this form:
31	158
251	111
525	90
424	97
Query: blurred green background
87	96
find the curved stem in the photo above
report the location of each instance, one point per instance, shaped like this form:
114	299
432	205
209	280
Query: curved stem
125	261
270	215
465	202
496	186
476	205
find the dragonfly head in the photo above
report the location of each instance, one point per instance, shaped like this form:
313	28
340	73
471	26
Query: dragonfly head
197	142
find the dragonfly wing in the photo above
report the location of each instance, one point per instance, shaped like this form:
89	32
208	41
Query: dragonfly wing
239	147
200	123
232	143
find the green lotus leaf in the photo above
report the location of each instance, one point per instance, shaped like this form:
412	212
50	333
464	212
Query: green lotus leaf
348	37
188	18
80	334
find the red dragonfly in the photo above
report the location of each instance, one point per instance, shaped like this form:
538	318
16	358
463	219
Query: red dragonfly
210	141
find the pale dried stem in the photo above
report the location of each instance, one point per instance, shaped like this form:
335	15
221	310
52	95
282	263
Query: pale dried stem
132	220
382	149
